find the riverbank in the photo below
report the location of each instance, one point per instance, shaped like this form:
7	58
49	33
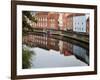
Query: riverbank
82	37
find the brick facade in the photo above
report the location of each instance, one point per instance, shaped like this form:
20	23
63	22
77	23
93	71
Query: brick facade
50	20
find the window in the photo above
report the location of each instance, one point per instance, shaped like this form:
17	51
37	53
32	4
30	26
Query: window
82	23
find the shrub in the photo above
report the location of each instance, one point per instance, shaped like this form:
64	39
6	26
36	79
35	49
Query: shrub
26	58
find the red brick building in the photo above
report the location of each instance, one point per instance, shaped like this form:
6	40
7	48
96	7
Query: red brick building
50	20
66	21
41	18
46	20
53	20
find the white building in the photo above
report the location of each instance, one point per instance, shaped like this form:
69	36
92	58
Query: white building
79	23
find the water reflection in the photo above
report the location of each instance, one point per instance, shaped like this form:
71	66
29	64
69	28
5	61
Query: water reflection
63	47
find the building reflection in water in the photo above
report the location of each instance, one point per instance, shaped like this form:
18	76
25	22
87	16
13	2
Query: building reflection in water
66	48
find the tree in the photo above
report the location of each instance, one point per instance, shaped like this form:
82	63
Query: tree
26	15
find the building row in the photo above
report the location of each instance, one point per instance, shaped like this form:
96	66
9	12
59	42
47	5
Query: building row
62	21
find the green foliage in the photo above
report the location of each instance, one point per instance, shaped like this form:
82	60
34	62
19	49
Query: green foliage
25	26
26	58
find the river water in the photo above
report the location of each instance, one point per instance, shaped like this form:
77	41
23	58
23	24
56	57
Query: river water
53	52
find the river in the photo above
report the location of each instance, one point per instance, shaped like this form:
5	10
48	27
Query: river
51	52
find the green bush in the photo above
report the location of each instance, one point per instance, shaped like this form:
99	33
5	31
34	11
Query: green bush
26	58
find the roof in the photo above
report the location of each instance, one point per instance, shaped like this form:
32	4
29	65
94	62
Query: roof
75	14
